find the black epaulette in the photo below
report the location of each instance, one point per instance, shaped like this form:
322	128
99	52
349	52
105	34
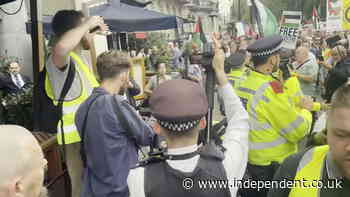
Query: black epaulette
155	157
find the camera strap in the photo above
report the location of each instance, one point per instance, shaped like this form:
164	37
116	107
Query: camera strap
301	65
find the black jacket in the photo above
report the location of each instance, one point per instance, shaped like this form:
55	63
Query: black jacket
8	86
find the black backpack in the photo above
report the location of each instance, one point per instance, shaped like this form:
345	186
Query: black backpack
48	114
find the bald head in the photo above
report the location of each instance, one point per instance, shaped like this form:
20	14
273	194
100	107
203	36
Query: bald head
20	154
302	54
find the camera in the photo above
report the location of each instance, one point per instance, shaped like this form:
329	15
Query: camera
207	56
285	65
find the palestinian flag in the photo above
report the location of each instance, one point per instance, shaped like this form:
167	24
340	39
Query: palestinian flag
315	18
199	36
268	20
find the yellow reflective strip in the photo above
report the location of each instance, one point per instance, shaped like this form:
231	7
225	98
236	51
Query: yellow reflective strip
266	156
292	126
70	138
48	88
91	78
71	134
70	109
67	128
258	126
77	101
266	145
247	90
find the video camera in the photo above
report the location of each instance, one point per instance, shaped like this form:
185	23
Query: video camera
207	56
285	65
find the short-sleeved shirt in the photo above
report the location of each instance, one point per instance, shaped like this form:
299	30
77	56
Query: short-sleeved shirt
309	68
57	78
195	71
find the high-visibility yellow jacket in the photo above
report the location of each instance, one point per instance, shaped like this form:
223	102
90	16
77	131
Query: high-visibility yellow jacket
292	88
310	171
235	76
69	108
276	125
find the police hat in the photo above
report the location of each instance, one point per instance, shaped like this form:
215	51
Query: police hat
178	105
266	46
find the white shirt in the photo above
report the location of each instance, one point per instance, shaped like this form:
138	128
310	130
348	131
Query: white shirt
20	80
235	141
320	124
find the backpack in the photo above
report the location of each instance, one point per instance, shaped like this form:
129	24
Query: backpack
48	114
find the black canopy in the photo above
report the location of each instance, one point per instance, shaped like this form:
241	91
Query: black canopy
125	18
136	3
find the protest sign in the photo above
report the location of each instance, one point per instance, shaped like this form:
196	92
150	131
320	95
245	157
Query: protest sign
290	28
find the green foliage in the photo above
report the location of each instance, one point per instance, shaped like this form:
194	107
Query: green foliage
153	40
156	39
18	107
5	60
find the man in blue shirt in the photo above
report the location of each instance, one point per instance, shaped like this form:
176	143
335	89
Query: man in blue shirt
109	142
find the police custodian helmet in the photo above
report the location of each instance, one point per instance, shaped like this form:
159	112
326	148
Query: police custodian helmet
266	46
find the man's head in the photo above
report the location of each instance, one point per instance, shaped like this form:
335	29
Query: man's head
265	53
114	66
66	20
14	68
171	45
338	129
161	68
235	62
179	107
233	47
301	54
22	163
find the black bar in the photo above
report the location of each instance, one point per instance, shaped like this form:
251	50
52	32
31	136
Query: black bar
252	17
239	10
36	61
258	19
110	42
297	17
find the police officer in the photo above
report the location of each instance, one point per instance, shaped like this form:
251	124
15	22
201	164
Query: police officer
180	107
236	72
235	65
322	171
276	124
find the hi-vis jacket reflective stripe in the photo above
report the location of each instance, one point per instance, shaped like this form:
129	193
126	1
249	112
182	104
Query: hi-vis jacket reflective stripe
69	108
276	125
309	170
235	76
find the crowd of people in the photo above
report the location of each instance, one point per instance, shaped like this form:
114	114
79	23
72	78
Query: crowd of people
287	116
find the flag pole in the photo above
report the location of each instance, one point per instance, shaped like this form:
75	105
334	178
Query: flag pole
239	11
257	18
